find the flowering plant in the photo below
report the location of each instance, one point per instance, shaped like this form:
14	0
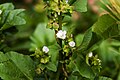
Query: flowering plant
55	52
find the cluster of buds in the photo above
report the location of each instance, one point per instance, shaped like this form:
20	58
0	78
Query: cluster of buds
62	6
42	55
94	61
55	8
53	25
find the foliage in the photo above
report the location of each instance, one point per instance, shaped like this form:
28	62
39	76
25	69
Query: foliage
16	66
55	52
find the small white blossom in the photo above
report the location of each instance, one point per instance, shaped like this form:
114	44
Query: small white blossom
45	49
90	54
71	44
66	1
61	34
0	12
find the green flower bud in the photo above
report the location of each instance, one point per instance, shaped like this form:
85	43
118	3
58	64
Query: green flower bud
55	26
37	56
66	49
45	60
38	71
38	52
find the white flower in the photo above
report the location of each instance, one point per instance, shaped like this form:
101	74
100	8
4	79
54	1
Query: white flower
71	44
0	12
66	1
61	34
90	54
45	49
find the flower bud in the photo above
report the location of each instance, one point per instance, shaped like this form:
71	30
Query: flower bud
45	49
90	54
38	71
0	12
45	60
99	61
71	44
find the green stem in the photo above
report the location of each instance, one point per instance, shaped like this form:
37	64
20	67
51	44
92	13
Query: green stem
59	70
45	74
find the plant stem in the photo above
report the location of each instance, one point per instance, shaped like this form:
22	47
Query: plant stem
45	74
59	70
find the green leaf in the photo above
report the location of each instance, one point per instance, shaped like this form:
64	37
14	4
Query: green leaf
54	52
71	1
8	70
18	21
78	39
13	19
10	16
104	78
4	16
118	77
103	23
42	66
112	32
14	66
89	42
72	77
107	52
7	6
24	63
86	40
42	36
80	5
51	66
3	57
83	69
14	13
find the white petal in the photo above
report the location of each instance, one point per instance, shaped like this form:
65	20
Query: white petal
64	32
90	54
45	49
71	44
61	34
